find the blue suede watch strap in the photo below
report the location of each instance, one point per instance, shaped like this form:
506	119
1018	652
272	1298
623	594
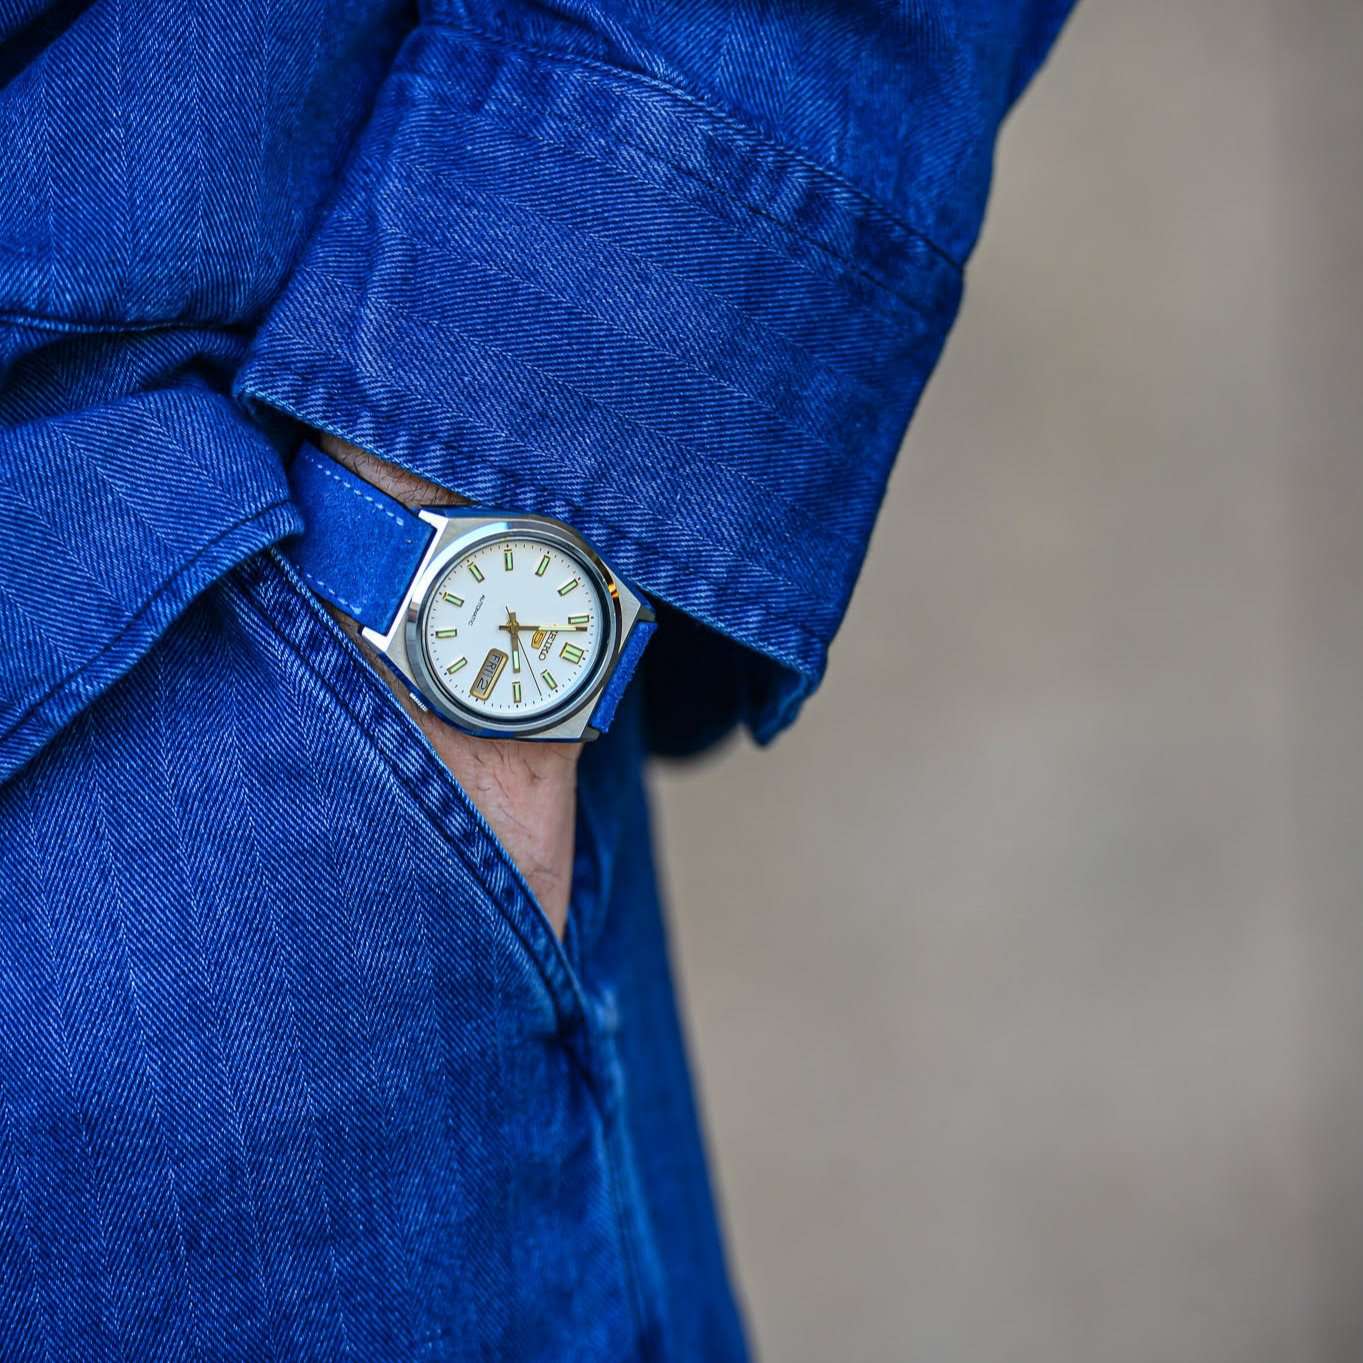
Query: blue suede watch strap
625	666
359	548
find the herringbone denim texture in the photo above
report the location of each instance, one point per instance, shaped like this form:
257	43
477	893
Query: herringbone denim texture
291	1064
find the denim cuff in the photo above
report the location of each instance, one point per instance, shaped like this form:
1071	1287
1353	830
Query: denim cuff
549	283
93	569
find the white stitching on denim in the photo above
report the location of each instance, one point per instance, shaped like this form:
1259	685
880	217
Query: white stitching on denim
748	133
418	321
287	395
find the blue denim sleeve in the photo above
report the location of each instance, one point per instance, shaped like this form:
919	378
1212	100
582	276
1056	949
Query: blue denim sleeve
162	165
676	273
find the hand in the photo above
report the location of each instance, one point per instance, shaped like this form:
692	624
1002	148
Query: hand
526	791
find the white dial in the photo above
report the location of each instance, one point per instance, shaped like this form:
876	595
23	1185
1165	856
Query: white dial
514	629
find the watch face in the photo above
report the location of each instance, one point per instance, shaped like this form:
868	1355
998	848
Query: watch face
516	628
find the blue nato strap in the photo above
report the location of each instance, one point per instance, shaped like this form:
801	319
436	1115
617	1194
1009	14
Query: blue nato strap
360	549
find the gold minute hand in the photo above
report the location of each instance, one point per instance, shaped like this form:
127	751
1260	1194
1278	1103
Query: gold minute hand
513	627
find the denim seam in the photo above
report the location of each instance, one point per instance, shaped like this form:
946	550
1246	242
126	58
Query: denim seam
749	134
152	598
765	214
417	322
538	292
307	391
370	167
97	326
617	1154
807	517
563	989
153	1073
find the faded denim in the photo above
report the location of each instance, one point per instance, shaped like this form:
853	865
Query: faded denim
291	1064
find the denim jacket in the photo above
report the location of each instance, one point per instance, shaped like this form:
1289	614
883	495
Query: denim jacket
292	1066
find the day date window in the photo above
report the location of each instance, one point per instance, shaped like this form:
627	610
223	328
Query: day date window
488	674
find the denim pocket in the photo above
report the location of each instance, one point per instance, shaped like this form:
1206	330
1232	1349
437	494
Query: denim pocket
355	705
527	1082
297	1070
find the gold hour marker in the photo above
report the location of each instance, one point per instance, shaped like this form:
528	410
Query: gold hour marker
544	563
549	680
579	619
516	692
455	666
476	571
515	658
453	600
569	585
571	652
507	561
446	633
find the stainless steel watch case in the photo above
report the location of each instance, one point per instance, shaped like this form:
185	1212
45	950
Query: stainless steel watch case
457	535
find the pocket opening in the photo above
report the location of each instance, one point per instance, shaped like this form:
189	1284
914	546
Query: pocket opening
274	594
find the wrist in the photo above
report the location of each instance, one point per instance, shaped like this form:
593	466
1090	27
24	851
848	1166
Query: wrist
525	790
399	483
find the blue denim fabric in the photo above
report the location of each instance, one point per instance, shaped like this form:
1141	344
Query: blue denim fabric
291	1064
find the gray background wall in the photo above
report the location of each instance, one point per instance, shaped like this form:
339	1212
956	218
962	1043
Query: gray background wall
1026	974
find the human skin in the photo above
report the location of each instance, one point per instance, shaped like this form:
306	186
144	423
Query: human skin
526	791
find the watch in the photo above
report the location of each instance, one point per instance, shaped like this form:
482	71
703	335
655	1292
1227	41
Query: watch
504	623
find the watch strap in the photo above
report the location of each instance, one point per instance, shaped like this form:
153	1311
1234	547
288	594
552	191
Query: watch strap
360	548
625	667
